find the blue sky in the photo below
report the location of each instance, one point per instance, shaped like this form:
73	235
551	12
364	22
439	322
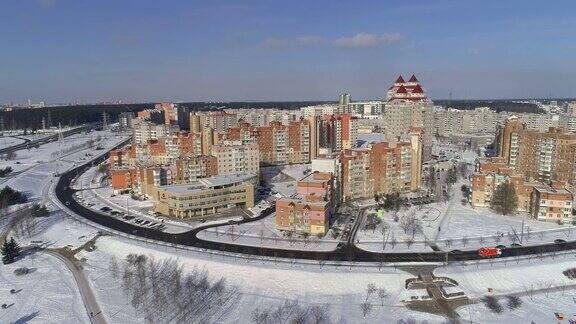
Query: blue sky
139	51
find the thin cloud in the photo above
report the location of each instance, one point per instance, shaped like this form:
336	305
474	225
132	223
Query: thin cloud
367	40
282	43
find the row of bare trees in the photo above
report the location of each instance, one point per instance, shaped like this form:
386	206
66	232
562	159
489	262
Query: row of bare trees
163	293
292	312
372	291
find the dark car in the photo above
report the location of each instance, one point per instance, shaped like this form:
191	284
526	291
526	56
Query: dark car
501	247
515	245
560	241
456	252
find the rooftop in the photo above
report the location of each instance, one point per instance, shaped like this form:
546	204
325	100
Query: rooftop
211	182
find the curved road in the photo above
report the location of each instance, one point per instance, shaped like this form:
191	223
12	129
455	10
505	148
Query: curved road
92	308
349	252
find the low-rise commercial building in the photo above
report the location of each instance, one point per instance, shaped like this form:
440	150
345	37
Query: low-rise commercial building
206	196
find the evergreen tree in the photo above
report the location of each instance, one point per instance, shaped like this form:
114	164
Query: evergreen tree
504	200
10	250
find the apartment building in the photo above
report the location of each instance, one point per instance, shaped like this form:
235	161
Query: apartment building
191	168
485	183
170	112
232	158
319	110
151	115
278	144
310	210
330	164
144	131
357	180
338	132
542	156
408	106
552	204
205	197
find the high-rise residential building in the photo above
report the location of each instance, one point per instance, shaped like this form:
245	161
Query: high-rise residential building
195	123
191	168
170	112
234	157
151	115
144	131
408	106
344	99
357	180
125	119
543	156
320	110
278	144
338	132
382	168
572	109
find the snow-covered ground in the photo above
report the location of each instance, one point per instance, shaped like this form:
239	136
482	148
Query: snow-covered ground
263	233
452	225
35	168
539	283
7	141
48	294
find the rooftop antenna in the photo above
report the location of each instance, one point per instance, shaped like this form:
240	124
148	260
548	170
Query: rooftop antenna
450	99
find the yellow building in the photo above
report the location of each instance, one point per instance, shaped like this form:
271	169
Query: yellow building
206	196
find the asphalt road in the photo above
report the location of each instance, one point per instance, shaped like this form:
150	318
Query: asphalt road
92	308
30	143
349	252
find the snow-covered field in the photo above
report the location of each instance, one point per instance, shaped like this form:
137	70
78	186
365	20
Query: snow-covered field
46	295
7	141
264	233
34	169
539	283
453	225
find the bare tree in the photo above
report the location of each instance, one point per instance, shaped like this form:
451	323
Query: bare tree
370	289
320	314
113	267
261	235
366	308
382	294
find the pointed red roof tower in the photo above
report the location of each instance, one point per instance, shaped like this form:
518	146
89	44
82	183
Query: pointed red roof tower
417	89
401	89
413	79
400	79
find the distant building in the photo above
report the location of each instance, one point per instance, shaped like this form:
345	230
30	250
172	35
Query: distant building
144	131
344	99
151	115
125	119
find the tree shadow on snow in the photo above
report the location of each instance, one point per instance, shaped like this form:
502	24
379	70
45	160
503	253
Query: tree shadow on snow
27	318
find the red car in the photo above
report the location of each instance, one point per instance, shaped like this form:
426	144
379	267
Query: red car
489	252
